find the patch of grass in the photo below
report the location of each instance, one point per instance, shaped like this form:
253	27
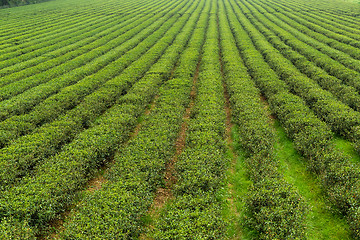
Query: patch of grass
237	190
147	220
322	220
347	147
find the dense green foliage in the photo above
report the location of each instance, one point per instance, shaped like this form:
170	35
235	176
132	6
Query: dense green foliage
137	173
107	89
276	209
195	211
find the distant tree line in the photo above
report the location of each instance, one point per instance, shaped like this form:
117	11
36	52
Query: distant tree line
4	2
14	3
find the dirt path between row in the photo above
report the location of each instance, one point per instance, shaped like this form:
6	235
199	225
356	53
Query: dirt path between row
164	194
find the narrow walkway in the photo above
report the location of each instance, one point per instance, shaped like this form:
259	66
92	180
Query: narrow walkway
238	183
236	227
322	222
164	194
348	148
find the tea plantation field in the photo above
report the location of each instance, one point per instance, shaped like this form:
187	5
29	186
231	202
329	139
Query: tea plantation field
180	119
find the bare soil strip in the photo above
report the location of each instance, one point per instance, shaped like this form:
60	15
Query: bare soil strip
164	194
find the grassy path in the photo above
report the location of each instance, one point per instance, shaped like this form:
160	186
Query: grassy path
238	186
322	221
348	148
